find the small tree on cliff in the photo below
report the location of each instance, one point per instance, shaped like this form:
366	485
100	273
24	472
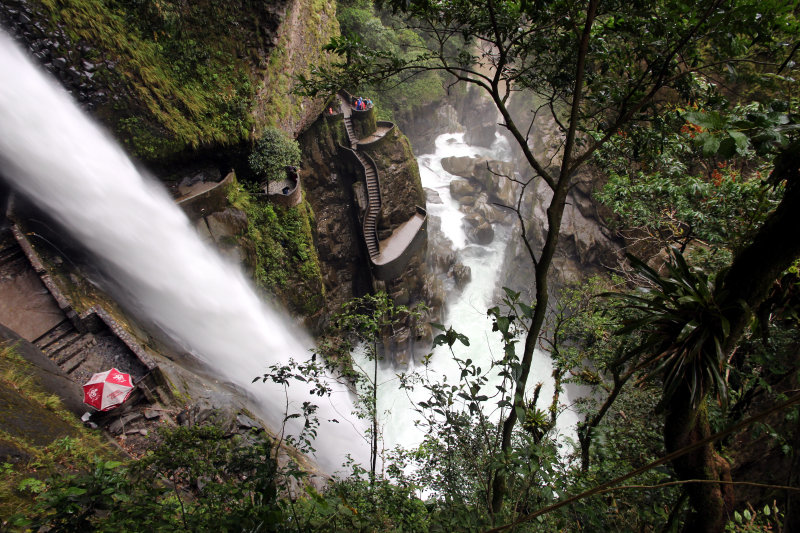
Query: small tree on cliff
272	153
596	66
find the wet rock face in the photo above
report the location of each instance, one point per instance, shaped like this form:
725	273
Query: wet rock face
586	246
479	116
459	165
461	188
485	186
76	65
424	126
462	275
482	234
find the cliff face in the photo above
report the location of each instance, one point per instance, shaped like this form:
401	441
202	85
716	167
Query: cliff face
306	28
331	179
328	185
166	78
174	80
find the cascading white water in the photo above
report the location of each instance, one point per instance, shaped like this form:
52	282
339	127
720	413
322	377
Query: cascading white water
54	155
466	311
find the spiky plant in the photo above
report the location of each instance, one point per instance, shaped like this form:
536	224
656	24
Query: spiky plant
683	328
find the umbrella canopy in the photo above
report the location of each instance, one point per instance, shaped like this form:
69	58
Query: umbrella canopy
108	389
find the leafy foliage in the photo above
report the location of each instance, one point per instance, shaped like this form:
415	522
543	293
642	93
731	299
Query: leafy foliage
666	192
283	256
272	153
683	326
195	479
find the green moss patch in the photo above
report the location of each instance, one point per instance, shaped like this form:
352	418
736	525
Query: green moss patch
38	436
178	68
282	253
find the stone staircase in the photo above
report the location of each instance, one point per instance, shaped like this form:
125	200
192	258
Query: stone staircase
10	252
351	136
370	224
66	346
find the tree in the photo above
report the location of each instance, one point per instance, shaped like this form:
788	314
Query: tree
373	320
598	67
272	153
692	326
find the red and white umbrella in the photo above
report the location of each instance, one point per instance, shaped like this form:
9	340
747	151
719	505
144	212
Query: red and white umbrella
108	389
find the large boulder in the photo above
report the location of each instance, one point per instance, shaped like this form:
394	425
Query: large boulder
463	166
495	177
483	135
483	233
490	212
462	275
461	187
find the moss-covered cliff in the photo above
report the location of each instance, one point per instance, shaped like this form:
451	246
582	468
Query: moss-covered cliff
279	250
171	78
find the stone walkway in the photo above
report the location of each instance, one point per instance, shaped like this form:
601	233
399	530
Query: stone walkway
379	133
394	246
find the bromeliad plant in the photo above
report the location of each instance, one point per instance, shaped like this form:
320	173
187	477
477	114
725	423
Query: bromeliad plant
683	326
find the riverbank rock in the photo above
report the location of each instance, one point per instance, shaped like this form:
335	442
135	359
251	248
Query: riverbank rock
463	166
462	275
483	234
460	188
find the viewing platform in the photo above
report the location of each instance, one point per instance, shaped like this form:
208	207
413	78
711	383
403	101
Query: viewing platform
397	249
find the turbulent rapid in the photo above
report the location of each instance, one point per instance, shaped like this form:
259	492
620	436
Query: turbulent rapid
466	309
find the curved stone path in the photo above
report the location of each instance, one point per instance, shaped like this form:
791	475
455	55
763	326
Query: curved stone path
370	226
389	256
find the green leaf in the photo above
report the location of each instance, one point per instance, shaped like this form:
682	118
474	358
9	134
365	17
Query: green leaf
710	142
727	148
741	141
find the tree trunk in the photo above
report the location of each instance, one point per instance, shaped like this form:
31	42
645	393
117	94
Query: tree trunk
712	503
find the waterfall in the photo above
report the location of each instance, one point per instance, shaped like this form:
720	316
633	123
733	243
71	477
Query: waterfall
466	310
63	162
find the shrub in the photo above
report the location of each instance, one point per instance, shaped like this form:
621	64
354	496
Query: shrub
273	152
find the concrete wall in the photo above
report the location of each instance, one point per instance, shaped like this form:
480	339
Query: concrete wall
215	199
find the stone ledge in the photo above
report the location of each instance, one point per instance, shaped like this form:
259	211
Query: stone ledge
82	322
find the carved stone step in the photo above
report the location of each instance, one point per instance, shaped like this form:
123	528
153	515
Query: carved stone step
72	365
67	352
56	334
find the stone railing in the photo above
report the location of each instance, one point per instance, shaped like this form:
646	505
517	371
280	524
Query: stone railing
379	138
92	319
363	121
287	193
401	247
212	199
